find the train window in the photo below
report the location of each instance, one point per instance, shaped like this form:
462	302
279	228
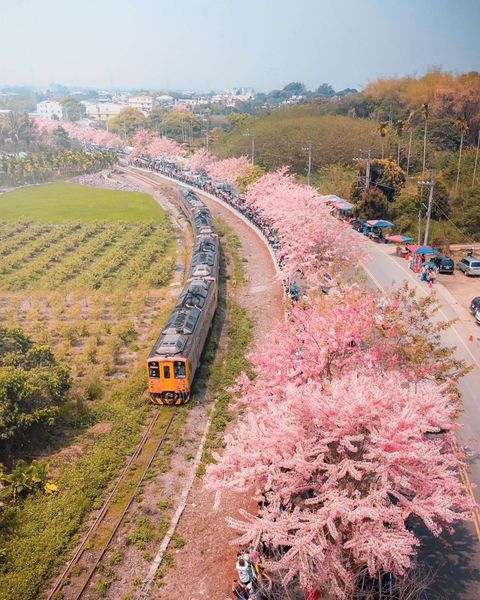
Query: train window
154	370
166	371
179	370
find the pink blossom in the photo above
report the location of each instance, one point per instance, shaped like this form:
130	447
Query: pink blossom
229	170
342	467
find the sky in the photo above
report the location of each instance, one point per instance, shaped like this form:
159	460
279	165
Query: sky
220	44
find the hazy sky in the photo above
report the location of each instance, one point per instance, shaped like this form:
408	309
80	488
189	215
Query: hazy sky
214	44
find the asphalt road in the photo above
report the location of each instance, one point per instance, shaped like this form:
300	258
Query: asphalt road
454	560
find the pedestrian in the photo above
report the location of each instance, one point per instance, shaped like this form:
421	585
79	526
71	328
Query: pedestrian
239	590
243	570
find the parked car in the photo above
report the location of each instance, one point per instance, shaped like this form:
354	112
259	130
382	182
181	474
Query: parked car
477	317
469	265
475	305
357	224
444	263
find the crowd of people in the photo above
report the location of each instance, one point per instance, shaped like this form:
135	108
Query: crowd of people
252	582
221	190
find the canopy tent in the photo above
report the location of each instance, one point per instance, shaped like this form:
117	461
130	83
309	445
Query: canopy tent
425	250
380	223
343	204
398	239
415	249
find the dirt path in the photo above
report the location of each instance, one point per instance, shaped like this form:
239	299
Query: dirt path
205	566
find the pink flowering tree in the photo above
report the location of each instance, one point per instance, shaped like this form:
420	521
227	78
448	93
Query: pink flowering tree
146	143
200	161
99	137
313	242
229	170
338	470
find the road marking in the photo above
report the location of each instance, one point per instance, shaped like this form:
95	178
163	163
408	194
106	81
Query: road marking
461	469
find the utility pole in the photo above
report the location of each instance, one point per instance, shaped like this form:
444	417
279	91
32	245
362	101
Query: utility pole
476	161
309	168
367	162
367	171
251	134
431	185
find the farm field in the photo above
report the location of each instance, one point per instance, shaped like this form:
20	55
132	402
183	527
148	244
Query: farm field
62	202
86	271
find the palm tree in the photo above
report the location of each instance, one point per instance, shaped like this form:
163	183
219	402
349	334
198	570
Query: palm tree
382	130
399	126
461	126
425	115
17	128
409	125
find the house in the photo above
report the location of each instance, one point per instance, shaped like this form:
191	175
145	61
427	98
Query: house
49	109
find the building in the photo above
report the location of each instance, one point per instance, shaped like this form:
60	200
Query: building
142	103
165	100
102	111
49	109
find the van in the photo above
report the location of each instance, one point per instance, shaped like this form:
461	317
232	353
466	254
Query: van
469	265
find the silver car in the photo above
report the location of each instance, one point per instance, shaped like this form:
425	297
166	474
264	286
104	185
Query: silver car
469	265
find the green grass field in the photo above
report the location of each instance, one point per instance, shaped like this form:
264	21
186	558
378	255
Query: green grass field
64	202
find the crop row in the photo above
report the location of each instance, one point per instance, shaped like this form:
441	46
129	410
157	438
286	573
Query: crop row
22	237
150	254
102	272
53	255
9	232
30	251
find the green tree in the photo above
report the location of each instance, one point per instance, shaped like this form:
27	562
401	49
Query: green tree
372	204
17	130
325	90
33	386
385	175
73	109
295	88
61	138
127	122
382	130
154	120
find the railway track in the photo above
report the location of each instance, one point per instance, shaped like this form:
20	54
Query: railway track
76	577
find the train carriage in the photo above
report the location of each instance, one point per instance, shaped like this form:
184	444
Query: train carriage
175	357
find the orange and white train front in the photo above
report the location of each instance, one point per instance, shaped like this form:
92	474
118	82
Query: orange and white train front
169	380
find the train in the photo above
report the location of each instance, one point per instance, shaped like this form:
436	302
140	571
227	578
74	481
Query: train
175	356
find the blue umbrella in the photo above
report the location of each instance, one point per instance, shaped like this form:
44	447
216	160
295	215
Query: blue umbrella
380	223
425	250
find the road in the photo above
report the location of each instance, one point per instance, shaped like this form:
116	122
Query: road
455	559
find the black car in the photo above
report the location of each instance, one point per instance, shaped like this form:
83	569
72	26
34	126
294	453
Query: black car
357	224
475	305
444	263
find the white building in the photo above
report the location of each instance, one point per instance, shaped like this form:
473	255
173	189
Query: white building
143	103
102	111
165	100
49	109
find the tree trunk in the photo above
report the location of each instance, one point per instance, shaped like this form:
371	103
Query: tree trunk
459	162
